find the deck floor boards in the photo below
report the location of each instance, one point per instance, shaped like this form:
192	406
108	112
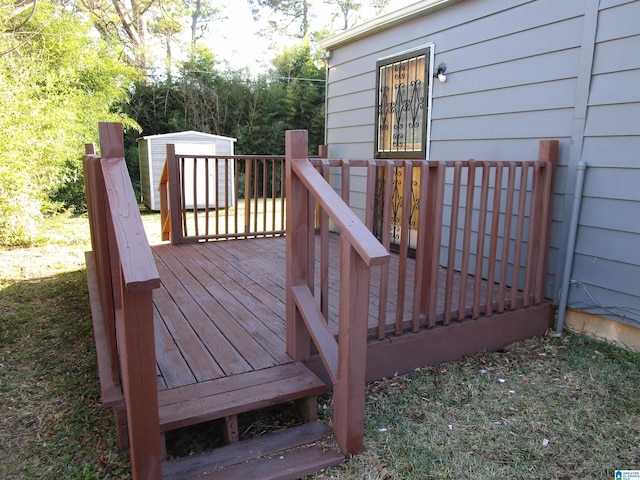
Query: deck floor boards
220	310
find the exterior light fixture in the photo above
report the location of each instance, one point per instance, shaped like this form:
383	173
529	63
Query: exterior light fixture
440	72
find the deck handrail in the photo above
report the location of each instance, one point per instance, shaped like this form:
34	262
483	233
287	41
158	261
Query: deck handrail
127	275
345	360
253	206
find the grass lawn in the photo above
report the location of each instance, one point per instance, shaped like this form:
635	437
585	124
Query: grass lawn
543	408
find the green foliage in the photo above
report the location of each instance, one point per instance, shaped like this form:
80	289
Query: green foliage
255	112
58	81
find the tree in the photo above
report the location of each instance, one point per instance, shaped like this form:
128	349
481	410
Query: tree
305	87
288	13
202	12
166	23
124	22
379	5
57	81
348	9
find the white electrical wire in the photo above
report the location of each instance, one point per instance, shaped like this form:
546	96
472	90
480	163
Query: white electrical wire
625	313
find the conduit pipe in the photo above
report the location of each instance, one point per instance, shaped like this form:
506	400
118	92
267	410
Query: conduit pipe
571	246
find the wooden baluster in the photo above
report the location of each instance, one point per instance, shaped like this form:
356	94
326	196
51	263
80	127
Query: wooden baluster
506	237
227	198
435	204
482	223
165	212
453	234
370	196
495	233
346	180
386	243
183	206
466	242
534	225
207	187
283	190
273	195
421	246
236	187
372	173
265	171
404	244
247	195
195	195
522	200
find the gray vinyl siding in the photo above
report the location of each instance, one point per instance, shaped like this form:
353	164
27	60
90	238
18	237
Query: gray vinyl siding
518	72
152	151
606	270
511	68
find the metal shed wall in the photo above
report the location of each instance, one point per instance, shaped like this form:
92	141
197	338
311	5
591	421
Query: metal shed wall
152	154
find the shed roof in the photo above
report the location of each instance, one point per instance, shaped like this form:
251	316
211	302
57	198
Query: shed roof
384	22
188	132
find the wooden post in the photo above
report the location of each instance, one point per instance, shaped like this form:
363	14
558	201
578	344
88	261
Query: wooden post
140	385
298	338
548	153
135	276
175	194
349	392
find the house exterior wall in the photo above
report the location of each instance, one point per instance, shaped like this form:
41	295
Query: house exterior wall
520	71
152	151
606	269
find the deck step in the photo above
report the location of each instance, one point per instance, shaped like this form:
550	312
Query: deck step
228	396
290	453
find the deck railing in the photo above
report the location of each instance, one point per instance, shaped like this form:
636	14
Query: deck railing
345	359
478	231
221	196
126	275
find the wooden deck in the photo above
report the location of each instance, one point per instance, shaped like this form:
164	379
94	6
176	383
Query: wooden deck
192	332
220	310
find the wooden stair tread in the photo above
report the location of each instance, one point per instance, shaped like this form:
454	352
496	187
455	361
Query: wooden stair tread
218	398
290	453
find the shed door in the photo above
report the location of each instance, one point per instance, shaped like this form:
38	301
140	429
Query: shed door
199	165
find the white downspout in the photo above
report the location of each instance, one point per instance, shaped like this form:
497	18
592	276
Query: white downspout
570	248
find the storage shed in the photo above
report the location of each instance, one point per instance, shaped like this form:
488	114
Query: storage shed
152	152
